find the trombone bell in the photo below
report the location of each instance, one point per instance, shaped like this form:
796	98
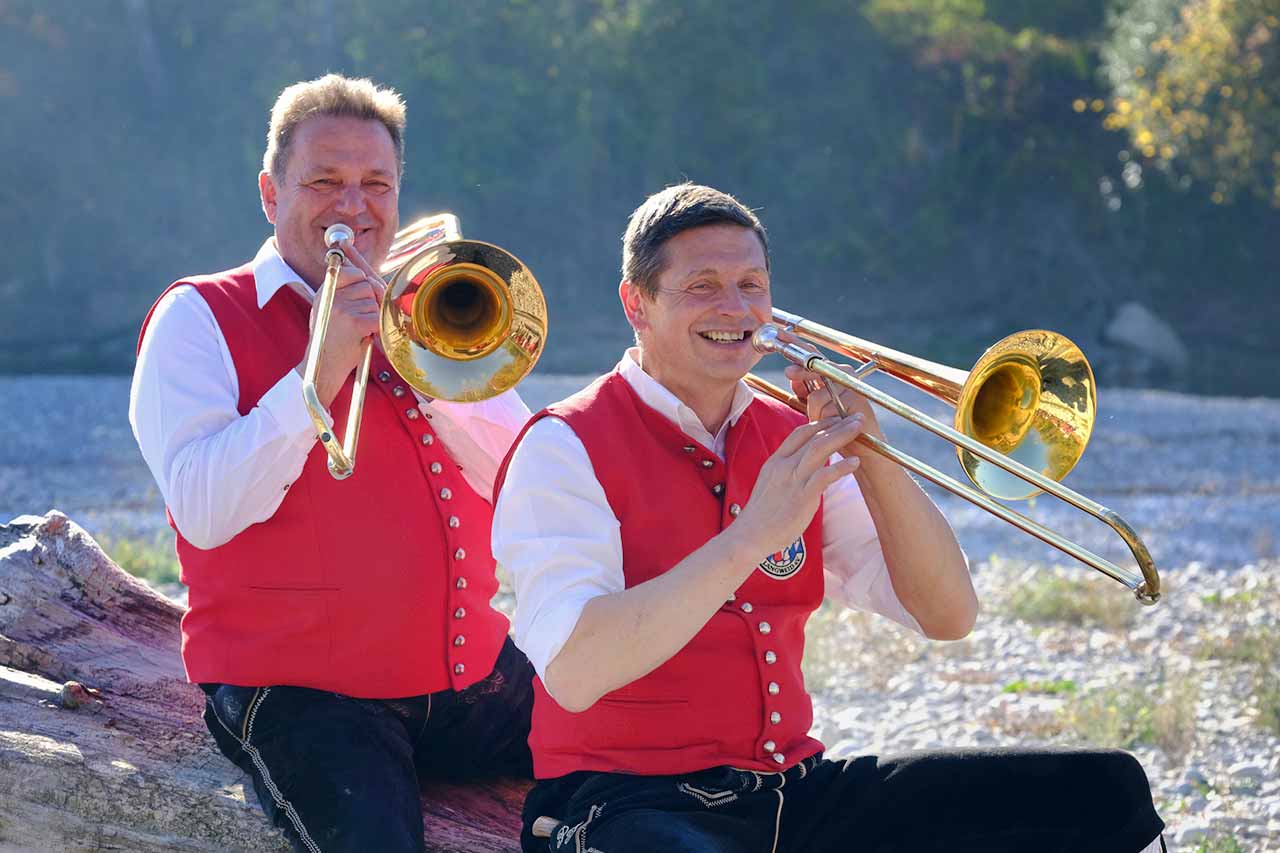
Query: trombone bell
463	321
1032	398
460	320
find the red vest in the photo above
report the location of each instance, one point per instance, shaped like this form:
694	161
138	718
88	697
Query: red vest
735	694
377	586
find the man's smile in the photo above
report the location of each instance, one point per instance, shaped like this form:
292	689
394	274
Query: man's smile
721	336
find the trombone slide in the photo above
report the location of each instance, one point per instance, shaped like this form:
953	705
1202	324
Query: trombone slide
1146	587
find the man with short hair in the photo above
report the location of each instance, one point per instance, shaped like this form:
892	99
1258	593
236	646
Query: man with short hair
342	630
669	533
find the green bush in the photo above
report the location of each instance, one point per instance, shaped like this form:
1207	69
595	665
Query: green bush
1050	688
1055	599
1220	844
1126	716
152	560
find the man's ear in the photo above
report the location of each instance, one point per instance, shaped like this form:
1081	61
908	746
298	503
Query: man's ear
267	189
634	304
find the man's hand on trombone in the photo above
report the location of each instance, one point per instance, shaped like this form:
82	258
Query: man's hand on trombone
816	393
352	321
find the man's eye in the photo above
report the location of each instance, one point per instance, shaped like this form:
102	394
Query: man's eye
378	186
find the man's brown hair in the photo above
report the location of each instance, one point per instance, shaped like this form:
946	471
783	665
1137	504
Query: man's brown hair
665	214
331	95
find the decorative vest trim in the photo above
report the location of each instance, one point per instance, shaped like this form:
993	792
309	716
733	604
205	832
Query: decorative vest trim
365	587
735	694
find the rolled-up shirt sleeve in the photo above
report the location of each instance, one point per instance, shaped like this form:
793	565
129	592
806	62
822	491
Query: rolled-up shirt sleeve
556	535
856	573
219	472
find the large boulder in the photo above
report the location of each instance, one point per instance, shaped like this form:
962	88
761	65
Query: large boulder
1147	347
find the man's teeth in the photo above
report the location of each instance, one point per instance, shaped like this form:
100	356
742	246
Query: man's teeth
724	337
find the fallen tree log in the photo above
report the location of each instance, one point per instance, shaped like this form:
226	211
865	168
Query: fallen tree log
102	745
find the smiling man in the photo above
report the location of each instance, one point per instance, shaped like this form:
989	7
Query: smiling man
342	631
669	533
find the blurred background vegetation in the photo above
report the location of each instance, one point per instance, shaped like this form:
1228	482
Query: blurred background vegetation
934	173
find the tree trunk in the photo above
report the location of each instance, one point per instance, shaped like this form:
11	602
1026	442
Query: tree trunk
102	745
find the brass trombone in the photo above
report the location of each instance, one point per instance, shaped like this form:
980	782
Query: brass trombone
1023	417
460	320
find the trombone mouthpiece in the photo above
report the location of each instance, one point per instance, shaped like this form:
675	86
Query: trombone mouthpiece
765	339
337	233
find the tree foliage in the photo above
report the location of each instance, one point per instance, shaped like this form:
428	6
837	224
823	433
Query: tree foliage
919	164
1196	86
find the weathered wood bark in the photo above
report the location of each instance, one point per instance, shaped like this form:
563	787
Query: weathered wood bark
102	745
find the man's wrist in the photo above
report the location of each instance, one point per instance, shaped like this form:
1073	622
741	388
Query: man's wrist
876	471
743	549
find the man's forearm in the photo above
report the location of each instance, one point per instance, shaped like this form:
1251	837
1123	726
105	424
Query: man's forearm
222	483
625	635
926	565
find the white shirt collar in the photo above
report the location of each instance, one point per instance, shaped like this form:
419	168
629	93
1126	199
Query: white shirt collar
656	396
270	273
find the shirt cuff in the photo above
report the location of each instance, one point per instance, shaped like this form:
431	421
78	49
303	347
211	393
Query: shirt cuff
545	634
285	405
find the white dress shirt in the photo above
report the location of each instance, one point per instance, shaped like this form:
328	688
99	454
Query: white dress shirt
219	472
555	533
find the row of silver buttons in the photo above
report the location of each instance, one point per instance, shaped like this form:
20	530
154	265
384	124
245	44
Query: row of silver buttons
770	657
445	494
764	627
774	689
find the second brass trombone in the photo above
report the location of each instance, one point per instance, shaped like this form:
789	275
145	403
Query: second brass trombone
461	320
1029	399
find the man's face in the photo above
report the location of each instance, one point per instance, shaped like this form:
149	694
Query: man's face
696	333
339	170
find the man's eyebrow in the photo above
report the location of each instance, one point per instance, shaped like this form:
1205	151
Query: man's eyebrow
712	271
320	169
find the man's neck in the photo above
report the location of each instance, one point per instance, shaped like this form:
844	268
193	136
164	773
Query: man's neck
314	287
711	404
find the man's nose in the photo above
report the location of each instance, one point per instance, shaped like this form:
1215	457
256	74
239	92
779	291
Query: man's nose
733	302
350	200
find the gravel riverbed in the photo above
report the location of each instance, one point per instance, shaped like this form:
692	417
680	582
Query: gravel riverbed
1061	654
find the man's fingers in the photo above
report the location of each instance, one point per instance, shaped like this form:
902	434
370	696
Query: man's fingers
820	448
350	274
795	371
354	257
800	380
822	479
357	270
354	291
820	396
802	435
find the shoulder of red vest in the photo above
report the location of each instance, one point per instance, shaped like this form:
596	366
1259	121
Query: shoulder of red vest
599	391
206	285
236	276
579	407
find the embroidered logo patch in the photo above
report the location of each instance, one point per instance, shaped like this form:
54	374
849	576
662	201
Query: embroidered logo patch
785	563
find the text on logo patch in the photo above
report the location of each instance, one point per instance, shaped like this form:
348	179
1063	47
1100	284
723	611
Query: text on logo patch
785	563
